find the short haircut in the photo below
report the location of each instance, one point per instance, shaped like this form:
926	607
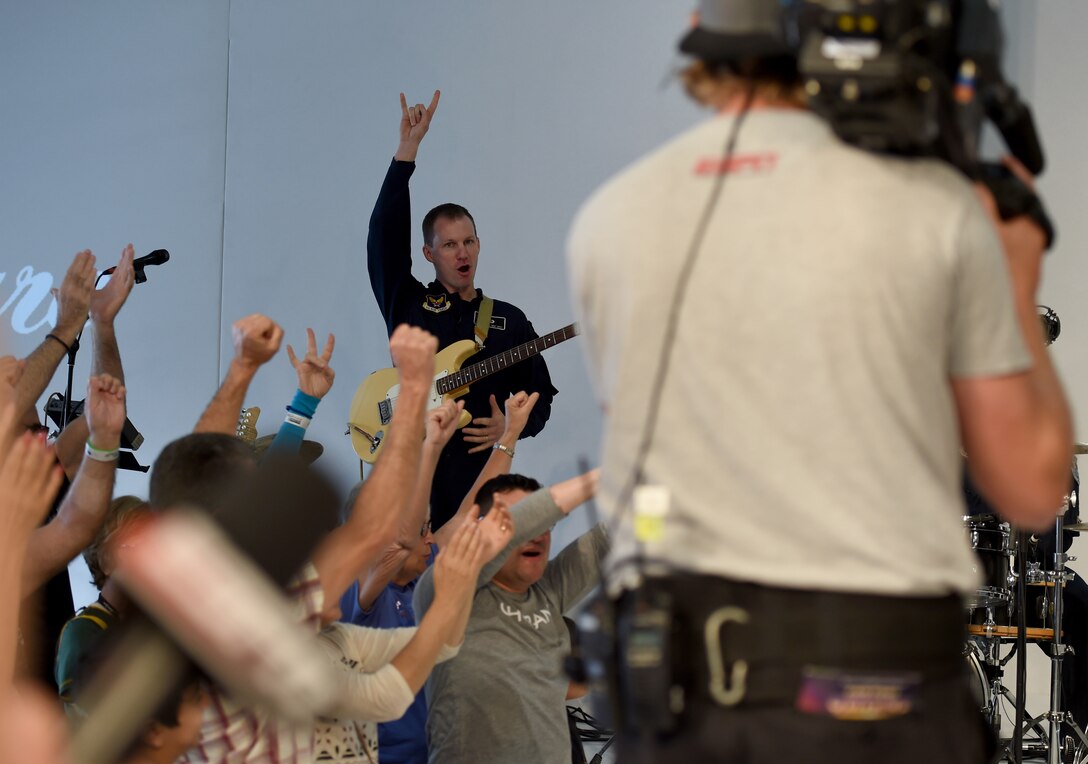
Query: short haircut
121	510
485	497
448	210
197	469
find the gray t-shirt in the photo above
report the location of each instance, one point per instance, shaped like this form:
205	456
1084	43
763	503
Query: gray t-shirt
807	435
501	699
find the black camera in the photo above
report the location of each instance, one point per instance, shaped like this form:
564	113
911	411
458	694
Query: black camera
918	78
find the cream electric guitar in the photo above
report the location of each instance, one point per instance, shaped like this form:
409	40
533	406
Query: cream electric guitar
374	401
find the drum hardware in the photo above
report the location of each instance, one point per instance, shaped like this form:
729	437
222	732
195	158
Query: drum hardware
1080	449
1056	746
996	599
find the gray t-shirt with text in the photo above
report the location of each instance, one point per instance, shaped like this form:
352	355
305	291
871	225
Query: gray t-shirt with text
501	700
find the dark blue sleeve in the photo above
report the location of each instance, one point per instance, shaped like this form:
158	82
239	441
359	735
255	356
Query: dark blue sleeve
389	246
532	376
540	381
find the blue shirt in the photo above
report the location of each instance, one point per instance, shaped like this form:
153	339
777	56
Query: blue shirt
405	740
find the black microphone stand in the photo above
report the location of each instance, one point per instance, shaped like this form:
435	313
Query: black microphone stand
66	413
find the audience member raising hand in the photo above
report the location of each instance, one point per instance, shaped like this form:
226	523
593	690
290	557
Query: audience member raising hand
413	351
81	513
518	408
29	480
74	297
105	303
315	376
105	411
256	339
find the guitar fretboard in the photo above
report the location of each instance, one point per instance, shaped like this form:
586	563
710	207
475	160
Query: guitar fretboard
504	360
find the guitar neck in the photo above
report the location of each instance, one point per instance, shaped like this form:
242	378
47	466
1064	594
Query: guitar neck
504	360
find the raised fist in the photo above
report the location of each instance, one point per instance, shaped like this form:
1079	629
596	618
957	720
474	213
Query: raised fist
442	422
413	351
256	339
105	411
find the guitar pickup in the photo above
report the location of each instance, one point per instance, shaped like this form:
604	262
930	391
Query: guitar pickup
385	410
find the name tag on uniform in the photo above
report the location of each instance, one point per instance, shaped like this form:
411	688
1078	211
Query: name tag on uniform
497	322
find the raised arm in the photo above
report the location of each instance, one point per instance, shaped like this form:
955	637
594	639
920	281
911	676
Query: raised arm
518	409
454	574
256	339
441	424
315	378
384	498
415	121
540	380
389	237
29	480
530	517
104	306
73	297
81	513
386	691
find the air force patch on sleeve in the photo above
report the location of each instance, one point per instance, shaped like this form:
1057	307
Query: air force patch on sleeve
436	303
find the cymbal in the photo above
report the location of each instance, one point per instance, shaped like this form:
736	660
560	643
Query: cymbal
1080	449
309	451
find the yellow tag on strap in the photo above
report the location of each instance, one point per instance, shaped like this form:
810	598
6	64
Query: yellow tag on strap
651	506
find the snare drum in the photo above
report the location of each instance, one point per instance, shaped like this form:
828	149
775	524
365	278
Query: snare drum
990	538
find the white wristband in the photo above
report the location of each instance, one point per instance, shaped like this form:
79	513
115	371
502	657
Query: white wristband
297	419
101	454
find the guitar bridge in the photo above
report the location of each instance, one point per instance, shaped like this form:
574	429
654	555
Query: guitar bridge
385	410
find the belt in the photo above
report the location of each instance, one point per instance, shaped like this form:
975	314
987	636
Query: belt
742	643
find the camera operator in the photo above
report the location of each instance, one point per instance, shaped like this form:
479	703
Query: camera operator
833	327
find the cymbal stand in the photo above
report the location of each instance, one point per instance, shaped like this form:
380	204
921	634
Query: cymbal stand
1058	650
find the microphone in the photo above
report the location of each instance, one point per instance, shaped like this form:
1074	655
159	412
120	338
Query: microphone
158	257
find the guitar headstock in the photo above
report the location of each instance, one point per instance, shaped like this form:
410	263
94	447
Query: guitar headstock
247	424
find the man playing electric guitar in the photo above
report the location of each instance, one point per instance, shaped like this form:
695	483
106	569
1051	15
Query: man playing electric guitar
450	307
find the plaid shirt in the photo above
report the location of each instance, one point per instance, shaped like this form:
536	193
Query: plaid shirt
233	733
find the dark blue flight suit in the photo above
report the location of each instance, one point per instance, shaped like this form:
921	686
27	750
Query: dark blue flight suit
405	300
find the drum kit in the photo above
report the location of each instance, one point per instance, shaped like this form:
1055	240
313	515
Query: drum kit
1020	601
